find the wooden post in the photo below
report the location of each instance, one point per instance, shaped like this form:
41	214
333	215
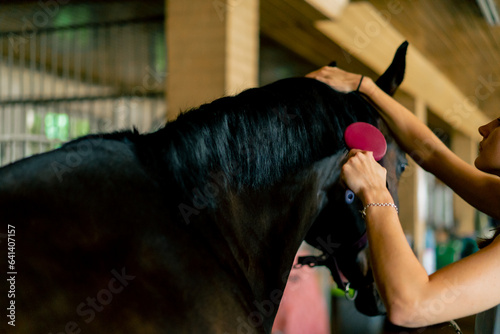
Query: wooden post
413	195
212	48
464	213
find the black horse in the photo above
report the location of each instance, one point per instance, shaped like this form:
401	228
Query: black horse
190	229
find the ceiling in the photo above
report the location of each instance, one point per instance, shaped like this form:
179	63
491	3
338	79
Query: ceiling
456	38
452	34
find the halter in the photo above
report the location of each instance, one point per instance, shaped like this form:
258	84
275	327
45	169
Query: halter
324	259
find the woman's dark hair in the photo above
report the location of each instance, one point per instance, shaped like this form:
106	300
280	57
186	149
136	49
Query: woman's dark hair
483	242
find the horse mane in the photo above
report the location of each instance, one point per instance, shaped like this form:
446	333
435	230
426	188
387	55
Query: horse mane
252	139
259	136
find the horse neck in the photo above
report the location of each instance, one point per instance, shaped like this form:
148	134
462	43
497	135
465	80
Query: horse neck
266	227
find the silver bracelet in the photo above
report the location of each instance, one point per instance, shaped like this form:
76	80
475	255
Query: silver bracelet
363	212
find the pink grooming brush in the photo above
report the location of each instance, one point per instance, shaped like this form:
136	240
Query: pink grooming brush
366	137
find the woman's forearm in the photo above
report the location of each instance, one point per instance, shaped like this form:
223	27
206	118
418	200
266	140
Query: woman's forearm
397	272
411	133
479	189
411	296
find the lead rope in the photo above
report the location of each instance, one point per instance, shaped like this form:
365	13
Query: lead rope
346	292
455	326
314	261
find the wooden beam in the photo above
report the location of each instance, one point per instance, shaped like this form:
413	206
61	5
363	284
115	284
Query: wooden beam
367	34
291	24
212	50
330	8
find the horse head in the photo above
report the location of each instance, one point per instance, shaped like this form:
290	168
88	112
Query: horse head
339	231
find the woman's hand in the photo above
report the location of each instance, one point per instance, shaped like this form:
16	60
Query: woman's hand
364	176
338	79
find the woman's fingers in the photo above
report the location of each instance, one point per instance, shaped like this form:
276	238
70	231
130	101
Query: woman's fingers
335	77
355	151
362	172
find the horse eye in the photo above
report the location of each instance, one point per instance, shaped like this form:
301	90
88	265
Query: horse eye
403	167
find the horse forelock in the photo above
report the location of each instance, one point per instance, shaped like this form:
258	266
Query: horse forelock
259	136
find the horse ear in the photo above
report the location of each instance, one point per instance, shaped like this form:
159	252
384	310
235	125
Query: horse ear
393	76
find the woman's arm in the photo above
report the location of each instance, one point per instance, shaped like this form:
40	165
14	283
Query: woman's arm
412	298
479	189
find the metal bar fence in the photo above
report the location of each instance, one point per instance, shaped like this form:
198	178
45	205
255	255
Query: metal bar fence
60	83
